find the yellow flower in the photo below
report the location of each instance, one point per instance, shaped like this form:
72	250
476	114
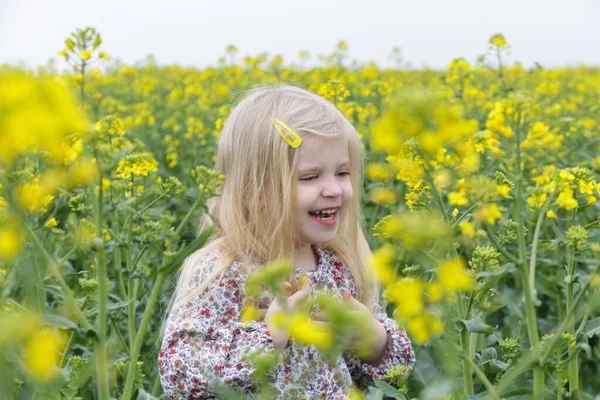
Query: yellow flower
504	191
537	200
384	196
355	394
458	198
381	263
565	200
407	295
85	55
488	213
137	165
307	332
551	215
379	172
454	276
249	312
11	242
586	187
455	213
467	229
591	200
498	40
42	353
33	197
422	327
434	291
51	223
37	115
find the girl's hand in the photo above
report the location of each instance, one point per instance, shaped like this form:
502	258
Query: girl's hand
292	299
376	341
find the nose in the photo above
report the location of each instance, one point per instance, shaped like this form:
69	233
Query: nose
332	188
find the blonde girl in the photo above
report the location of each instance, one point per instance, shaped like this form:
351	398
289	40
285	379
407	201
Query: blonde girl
293	173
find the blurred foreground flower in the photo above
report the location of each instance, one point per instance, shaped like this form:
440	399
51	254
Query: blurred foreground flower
36	115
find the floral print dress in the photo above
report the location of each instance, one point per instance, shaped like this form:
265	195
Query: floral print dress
204	342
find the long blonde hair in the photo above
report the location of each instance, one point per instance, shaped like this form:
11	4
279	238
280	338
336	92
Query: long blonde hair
260	169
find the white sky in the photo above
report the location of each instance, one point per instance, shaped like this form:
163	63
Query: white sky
196	32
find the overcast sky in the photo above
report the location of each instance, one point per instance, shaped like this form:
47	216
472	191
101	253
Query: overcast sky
196	32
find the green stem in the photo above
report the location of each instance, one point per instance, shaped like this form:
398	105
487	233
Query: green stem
464	344
532	328
123	342
102	277
499	247
525	362
534	246
187	217
573	365
139	336
151	203
156	387
490	388
61	282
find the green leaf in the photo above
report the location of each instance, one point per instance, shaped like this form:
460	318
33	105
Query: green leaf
497	366
60	321
488	355
477	325
387	389
592	327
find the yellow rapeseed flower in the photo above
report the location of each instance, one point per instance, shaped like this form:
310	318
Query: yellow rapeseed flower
458	198
37	115
504	191
307	332
137	165
551	215
384	196
11	242
467	229
33	197
566	200
51	223
379	172
407	295
537	200
85	55
488	213
454	276
249	312
42	353
591	200
381	264
498	40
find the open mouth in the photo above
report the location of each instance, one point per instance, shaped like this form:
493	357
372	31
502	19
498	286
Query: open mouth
329	214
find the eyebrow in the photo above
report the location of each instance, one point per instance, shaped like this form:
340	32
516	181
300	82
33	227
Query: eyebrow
312	168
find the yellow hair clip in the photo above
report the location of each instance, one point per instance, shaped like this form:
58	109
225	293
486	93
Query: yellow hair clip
297	139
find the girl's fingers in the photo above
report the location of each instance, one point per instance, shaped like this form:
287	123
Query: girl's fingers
320	316
286	288
298	297
320	324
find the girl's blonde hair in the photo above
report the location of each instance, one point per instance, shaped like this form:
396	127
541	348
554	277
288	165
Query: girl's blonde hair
255	212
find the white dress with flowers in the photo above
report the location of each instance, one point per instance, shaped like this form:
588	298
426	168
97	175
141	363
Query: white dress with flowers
205	345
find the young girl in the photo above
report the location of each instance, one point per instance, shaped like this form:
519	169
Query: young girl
293	172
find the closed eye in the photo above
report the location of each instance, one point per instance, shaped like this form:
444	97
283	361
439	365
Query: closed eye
313	177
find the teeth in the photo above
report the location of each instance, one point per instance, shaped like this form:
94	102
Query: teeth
328	211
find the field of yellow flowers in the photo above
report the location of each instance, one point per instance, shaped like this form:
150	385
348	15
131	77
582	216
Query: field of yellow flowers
480	201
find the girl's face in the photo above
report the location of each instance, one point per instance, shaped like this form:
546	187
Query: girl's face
324	188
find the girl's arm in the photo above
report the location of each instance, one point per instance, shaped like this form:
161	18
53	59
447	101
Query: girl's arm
204	345
398	351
